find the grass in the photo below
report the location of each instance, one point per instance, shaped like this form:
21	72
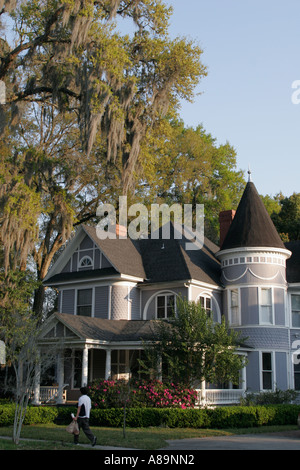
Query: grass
53	437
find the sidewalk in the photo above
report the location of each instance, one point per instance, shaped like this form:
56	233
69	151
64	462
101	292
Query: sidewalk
289	440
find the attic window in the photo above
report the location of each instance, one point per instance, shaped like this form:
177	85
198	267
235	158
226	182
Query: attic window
86	262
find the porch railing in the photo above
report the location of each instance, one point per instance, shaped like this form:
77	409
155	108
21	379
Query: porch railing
219	396
50	393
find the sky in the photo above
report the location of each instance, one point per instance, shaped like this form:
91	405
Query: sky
251	49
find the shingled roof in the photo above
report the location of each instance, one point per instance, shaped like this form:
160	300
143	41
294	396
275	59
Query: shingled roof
252	226
151	260
108	331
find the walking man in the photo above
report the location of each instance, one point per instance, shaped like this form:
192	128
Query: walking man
83	415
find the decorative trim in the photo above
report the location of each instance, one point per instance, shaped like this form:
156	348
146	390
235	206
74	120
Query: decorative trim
278	273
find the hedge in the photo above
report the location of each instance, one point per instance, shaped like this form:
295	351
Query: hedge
218	418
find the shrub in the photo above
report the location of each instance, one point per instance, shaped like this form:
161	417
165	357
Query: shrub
34	414
279	397
146	394
218	418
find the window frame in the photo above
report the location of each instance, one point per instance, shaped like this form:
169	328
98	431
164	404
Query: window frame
86	257
237	307
78	305
264	371
206	297
263	306
295	311
165	295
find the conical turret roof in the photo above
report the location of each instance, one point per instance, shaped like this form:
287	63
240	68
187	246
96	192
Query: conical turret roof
252	226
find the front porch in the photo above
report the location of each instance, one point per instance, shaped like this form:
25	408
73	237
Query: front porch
76	368
211	397
85	349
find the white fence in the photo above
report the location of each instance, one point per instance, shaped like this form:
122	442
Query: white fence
219	396
50	394
205	397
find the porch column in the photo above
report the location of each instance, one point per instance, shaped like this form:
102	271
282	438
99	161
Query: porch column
203	392
244	379
37	384
159	371
85	367
108	364
60	377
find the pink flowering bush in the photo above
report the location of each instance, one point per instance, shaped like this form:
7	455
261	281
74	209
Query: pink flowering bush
141	394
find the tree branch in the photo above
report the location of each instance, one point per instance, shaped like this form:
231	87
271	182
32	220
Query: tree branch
42	89
7	61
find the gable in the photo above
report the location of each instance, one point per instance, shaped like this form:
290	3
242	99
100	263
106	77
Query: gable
56	329
86	256
81	253
86	252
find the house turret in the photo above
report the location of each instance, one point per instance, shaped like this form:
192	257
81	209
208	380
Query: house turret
253	265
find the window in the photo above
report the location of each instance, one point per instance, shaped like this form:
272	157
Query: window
266	305
84	302
73	363
296	310
119	361
205	303
165	306
297	373
234	306
267	374
86	262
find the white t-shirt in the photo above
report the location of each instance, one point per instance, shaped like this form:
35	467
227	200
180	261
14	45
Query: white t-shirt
85	403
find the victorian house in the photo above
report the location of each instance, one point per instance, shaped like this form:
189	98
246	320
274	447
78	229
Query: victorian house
110	291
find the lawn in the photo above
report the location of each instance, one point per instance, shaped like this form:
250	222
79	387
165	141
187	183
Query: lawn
53	437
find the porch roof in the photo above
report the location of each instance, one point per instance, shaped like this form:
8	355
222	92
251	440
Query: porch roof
104	330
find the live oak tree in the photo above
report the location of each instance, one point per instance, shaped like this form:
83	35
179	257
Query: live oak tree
81	97
185	165
116	84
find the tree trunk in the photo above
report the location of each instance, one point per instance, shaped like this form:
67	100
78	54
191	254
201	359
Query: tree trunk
38	302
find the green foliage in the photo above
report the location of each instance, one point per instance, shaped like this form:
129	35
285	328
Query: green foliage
34	415
193	348
287	220
218	418
185	165
140	394
279	397
18	326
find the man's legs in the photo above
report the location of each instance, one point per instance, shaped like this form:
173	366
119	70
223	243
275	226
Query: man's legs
83	423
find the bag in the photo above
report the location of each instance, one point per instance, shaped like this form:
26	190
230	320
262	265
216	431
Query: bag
73	428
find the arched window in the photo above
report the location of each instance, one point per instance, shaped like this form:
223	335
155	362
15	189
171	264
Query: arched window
86	262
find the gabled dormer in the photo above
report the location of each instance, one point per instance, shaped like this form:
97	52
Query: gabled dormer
87	256
98	278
